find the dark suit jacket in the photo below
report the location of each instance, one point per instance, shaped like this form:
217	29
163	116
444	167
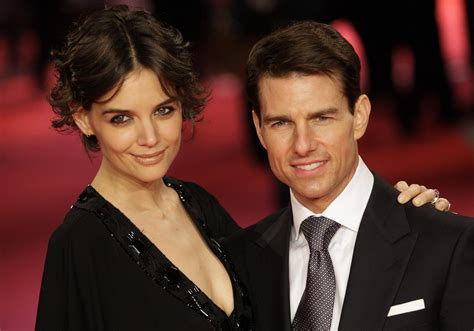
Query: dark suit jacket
402	253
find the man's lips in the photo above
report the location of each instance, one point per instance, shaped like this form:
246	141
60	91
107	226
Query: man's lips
308	166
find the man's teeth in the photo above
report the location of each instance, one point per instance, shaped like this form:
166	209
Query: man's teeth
309	166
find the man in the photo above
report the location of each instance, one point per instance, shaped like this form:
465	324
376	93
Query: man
379	265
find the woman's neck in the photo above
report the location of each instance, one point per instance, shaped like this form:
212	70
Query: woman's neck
124	191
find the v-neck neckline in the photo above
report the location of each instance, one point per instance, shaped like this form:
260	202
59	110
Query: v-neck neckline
157	265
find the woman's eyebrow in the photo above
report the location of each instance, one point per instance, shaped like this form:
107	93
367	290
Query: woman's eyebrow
119	110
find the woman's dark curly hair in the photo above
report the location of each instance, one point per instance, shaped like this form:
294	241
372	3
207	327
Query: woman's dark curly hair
103	48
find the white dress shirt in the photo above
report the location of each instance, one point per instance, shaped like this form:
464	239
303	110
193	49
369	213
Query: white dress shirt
347	209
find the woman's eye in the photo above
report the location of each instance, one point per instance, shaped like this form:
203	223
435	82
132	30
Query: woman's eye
117	119
162	111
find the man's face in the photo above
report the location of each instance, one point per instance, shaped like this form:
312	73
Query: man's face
310	135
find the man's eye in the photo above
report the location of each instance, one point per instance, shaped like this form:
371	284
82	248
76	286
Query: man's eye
277	124
162	111
117	119
323	118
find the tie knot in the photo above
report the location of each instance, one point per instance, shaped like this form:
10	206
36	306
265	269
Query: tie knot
319	231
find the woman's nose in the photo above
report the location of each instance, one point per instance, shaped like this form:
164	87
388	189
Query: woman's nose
148	135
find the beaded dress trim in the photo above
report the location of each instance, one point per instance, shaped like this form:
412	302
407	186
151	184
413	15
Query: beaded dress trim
160	269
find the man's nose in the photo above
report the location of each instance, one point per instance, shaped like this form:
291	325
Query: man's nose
304	141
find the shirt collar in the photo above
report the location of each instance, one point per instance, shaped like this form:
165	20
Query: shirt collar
347	209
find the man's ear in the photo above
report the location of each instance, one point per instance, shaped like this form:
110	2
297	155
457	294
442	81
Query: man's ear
258	127
81	118
361	115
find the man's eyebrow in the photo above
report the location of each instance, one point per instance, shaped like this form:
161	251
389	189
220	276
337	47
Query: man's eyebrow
118	110
322	112
275	118
314	114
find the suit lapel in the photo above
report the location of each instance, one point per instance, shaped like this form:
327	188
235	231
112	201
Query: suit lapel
269	252
382	250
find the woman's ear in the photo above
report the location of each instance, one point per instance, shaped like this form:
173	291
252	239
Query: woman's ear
81	118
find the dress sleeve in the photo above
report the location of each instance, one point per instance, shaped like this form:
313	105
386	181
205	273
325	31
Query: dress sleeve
65	303
52	301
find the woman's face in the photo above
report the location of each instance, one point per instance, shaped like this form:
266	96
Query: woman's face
138	128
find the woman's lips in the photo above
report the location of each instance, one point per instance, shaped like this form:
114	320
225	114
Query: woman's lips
149	158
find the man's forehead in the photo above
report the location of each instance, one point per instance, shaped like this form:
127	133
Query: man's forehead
296	74
306	91
295	79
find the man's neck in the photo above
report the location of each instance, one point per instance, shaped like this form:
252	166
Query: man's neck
319	204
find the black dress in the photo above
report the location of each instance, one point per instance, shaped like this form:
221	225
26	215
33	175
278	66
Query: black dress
102	273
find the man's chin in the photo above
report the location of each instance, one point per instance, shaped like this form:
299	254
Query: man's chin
310	194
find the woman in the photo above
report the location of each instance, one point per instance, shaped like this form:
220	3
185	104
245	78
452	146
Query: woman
138	250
